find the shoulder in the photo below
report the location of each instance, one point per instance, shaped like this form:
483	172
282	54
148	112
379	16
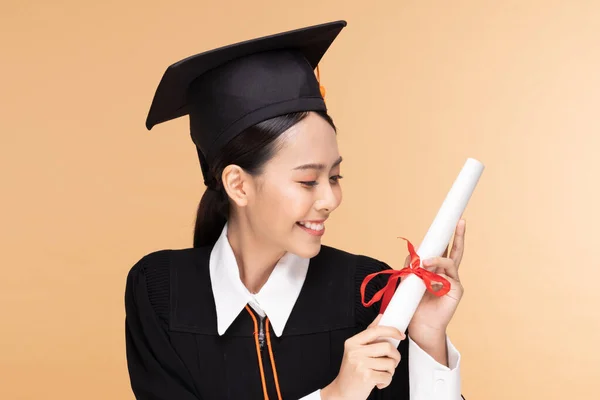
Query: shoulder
151	278
157	264
152	262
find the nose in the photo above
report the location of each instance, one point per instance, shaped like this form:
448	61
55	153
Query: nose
330	197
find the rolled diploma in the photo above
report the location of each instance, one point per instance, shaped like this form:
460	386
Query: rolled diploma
409	293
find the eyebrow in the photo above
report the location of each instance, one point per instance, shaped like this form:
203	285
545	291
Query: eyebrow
318	166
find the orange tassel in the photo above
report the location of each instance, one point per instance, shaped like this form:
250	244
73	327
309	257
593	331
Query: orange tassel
321	87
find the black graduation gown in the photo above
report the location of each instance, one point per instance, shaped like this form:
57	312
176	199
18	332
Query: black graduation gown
175	353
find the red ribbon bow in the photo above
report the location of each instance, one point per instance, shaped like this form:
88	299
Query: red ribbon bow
414	267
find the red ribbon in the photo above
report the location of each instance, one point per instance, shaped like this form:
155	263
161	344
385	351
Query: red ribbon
414	267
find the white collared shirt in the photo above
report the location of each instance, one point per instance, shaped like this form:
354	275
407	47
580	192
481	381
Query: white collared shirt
429	380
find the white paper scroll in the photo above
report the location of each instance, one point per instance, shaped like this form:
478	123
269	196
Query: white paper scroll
407	297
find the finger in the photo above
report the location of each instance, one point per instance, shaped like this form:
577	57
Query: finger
446	251
376	320
371	334
381	365
442	265
382	349
379	378
458	245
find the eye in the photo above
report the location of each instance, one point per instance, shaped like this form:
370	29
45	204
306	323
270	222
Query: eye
310	184
336	178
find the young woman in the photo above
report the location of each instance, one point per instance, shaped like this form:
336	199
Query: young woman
259	308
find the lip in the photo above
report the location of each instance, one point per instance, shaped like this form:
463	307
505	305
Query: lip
311	232
315	221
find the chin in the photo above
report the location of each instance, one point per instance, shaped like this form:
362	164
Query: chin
307	251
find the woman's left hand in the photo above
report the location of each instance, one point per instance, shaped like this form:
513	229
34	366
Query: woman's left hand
429	323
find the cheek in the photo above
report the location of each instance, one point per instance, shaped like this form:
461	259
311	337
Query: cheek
289	204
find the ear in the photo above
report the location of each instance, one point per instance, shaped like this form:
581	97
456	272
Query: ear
237	183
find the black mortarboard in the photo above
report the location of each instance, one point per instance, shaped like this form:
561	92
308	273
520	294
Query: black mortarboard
229	89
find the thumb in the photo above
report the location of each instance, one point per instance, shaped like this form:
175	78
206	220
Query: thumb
376	321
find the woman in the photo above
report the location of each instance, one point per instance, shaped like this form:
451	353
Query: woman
258	308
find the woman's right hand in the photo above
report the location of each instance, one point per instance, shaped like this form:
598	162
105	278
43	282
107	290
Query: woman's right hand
366	363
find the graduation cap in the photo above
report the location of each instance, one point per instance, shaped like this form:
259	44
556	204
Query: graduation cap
227	90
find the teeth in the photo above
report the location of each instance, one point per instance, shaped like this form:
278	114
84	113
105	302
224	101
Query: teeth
314	227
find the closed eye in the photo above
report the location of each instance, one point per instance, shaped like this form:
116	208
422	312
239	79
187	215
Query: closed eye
334	179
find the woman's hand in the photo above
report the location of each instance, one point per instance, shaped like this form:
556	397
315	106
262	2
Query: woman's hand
366	363
428	325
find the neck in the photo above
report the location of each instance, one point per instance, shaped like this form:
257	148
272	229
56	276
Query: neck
255	259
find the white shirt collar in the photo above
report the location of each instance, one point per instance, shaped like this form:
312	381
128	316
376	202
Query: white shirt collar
276	298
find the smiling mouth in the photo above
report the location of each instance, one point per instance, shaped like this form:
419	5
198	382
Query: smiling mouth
313	228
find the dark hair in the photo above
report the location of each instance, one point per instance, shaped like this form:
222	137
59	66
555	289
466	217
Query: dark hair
249	150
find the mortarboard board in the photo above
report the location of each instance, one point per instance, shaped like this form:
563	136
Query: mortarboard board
227	90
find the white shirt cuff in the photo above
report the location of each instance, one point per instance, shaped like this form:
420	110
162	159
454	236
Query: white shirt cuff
316	395
430	380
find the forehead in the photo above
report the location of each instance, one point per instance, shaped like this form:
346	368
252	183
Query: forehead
310	140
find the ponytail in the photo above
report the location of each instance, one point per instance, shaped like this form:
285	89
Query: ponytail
211	217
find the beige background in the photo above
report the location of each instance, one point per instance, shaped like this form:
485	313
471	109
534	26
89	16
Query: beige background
415	87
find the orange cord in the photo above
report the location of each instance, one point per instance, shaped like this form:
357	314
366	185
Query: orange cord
321	87
260	364
272	360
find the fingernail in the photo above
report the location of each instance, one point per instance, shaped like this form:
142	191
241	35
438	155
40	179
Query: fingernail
428	262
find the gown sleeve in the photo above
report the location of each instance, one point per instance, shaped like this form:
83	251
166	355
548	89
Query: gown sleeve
155	370
418	376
